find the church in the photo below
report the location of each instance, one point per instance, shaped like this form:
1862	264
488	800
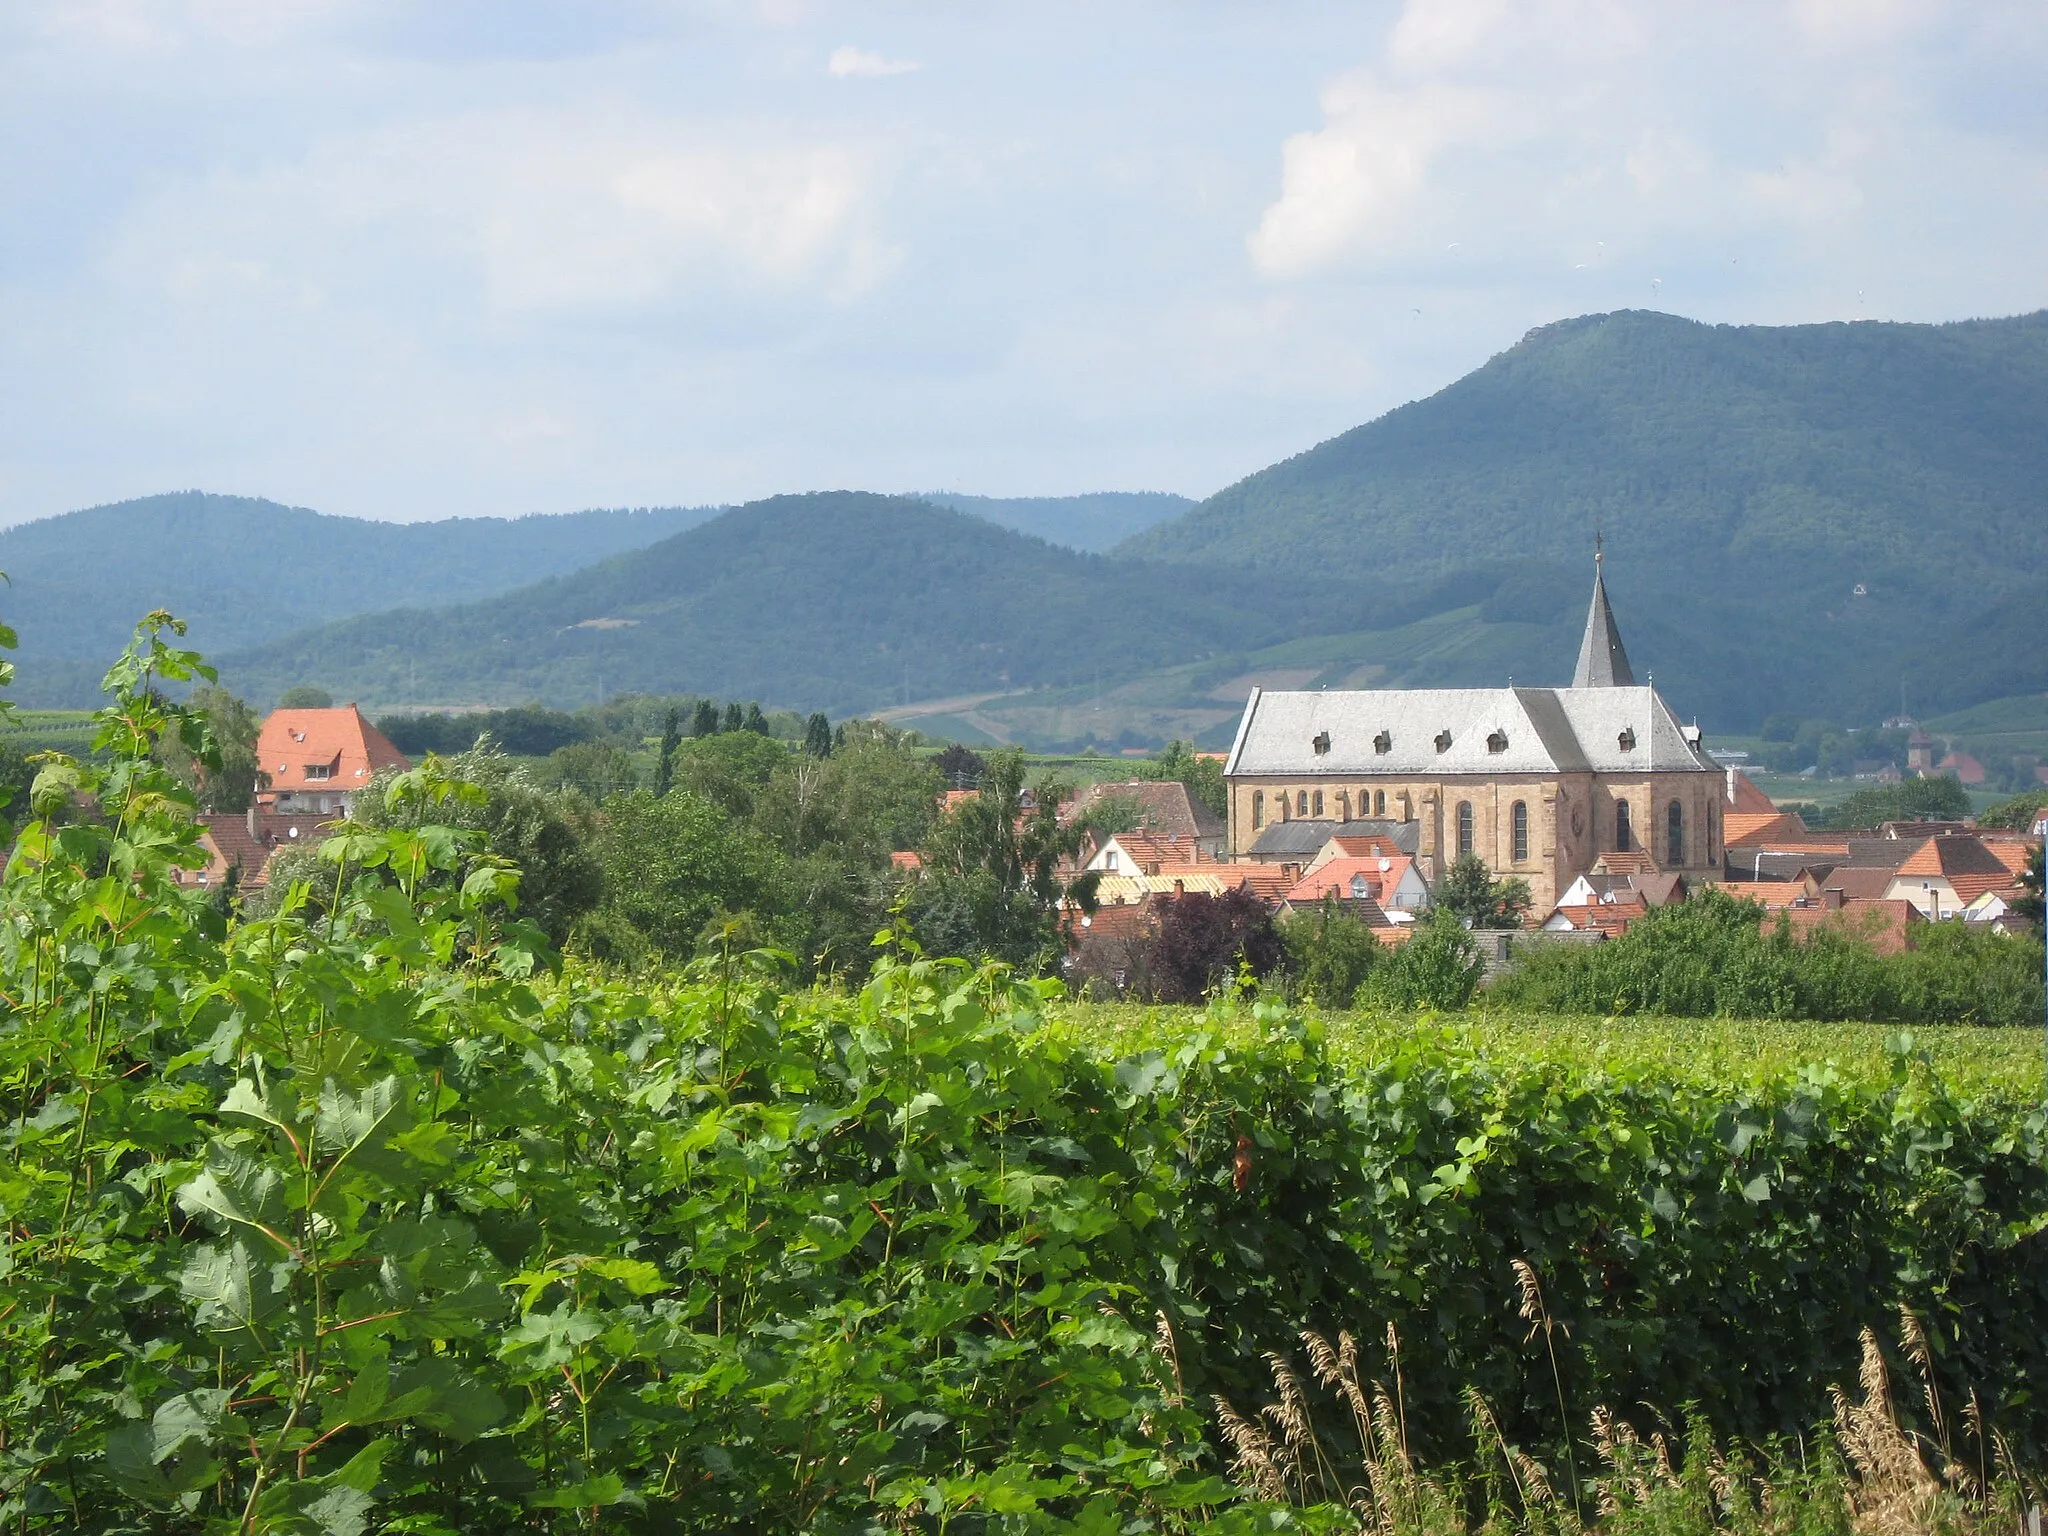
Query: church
1540	783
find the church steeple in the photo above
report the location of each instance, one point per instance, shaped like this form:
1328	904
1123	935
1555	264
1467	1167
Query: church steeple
1602	661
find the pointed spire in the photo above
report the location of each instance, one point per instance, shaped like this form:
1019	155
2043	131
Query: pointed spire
1602	661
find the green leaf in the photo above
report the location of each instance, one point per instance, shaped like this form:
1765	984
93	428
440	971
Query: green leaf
235	1189
231	1286
455	1404
591	1493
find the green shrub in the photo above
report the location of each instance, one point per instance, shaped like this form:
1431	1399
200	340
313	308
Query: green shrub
1718	954
1439	967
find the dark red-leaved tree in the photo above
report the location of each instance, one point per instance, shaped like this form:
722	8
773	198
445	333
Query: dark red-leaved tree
1202	939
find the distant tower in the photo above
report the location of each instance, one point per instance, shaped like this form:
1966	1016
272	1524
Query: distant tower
1920	753
1602	661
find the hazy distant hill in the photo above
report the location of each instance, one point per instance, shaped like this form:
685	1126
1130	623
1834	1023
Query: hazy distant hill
840	601
240	571
1749	480
1093	522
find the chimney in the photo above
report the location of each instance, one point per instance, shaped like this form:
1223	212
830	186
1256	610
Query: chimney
1831	898
1180	887
254	835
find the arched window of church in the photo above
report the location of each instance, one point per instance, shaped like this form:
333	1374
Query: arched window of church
1301	804
1520	817
1258	809
1674	834
1464	827
1319	802
1624	839
1379	802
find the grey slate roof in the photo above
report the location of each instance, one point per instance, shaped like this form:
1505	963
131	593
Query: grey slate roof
1304	839
1602	661
1431	731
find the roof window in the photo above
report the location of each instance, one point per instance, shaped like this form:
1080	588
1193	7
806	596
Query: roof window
1497	742
1627	738
1443	741
1383	743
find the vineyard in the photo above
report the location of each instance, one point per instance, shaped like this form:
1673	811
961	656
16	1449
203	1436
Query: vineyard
370	1214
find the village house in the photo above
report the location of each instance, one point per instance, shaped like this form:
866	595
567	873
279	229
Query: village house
1536	782
1164	808
319	760
239	845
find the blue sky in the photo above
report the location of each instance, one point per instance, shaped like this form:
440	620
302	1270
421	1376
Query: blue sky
485	256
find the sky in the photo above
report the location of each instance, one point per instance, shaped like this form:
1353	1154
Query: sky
502	256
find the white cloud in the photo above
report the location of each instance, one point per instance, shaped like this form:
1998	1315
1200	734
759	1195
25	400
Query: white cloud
850	62
531	212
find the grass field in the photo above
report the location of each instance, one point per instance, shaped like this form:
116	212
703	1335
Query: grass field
2003	1064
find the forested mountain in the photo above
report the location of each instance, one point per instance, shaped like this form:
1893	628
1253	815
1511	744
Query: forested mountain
839	601
241	570
1796	517
1094	521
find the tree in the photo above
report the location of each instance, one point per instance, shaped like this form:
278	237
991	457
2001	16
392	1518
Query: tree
305	696
818	735
960	766
1439	967
993	885
756	721
704	722
729	769
1936	799
547	834
594	768
734	719
671	866
671	738
230	785
2029	905
1469	892
1329	953
1181	763
1204	940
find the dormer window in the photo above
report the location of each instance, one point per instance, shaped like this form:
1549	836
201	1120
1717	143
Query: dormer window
1627	738
1497	742
319	770
1443	741
1359	888
1383	743
1321	743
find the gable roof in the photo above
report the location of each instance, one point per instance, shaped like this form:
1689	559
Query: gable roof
1151	854
1885	925
1858	883
1303	839
1955	854
1164	807
1742	829
296	745
1417	732
1335	877
1741	794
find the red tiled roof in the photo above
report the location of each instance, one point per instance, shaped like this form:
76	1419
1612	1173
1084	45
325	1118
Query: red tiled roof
1858	883
1770	894
1951	855
2014	852
1268	882
1612	918
1165	807
1743	797
1155	855
1335	877
1633	862
1885	924
323	750
906	860
230	844
1741	829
